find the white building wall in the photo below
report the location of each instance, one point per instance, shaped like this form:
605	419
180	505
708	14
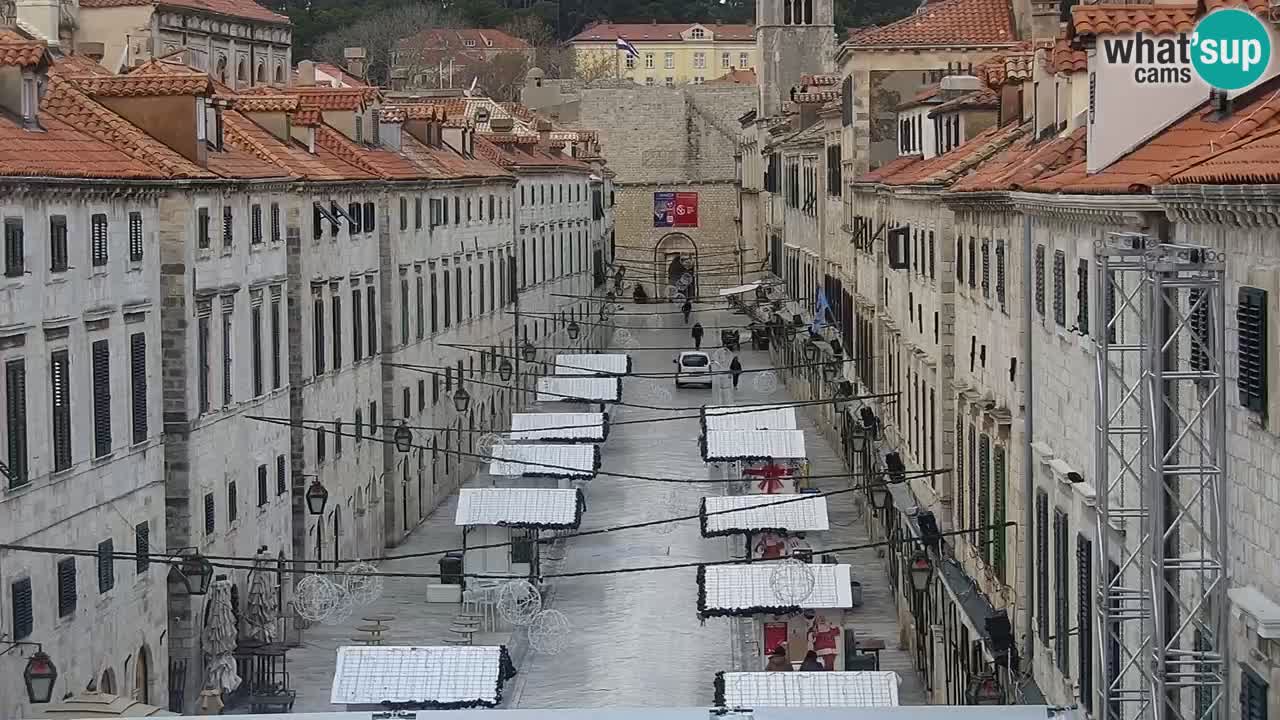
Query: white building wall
95	499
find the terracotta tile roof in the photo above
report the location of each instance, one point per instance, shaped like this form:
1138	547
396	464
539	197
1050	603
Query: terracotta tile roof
457	38
892	167
66	102
947	168
1023	162
808	98
1253	161
63	151
1258	7
1198	135
736	77
76	66
444	163
927	95
985	99
235	163
993	71
376	161
265	103
1062	58
519	111
19	51
946	23
1118	19
811	80
1019	65
327	98
306	117
244	9
660	32
242	133
344	77
144	85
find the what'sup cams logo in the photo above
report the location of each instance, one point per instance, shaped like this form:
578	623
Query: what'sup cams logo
1229	49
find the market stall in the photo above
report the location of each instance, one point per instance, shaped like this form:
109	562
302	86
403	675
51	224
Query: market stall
807	689
511	519
615	364
765	417
560	427
579	388
563	462
772	529
797	614
770	457
371	678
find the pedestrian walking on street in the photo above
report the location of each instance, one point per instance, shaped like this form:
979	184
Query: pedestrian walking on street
735	369
811	663
686	308
778	661
697	336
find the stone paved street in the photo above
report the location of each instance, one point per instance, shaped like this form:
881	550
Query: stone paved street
636	639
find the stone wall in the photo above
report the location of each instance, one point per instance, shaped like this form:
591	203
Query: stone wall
716	237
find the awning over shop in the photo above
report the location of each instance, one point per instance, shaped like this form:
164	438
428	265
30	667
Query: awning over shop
98	705
807	689
579	388
562	427
593	364
766	417
752	445
743	590
741	514
545	460
519	507
739	289
450	677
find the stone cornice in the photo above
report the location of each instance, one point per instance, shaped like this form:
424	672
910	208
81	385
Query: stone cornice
995	201
86	189
1234	205
1118	209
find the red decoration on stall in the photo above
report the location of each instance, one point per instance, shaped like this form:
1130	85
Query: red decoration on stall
772	474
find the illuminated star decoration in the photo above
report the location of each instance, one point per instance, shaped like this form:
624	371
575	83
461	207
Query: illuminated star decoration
771	474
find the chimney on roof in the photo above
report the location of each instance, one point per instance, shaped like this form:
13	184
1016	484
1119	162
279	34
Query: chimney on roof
954	86
1221	104
306	74
41	18
355	60
95	51
501	124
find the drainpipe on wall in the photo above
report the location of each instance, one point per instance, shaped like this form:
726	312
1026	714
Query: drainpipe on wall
1028	436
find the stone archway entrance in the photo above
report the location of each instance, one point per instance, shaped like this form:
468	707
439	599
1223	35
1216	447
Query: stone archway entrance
675	264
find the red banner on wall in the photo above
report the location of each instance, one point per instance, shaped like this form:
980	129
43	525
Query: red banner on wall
675	209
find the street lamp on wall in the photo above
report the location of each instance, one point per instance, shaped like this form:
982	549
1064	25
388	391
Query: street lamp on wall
461	399
879	496
921	572
574	330
317	497
40	676
528	351
505	369
192	570
985	689
403	439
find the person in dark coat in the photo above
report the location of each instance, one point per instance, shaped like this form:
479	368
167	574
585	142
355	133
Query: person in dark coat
735	369
639	294
697	336
778	661
686	308
811	663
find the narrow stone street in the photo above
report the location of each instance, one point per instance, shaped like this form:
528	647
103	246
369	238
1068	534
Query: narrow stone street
636	638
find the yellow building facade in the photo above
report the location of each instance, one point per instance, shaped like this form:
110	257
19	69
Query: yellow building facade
670	54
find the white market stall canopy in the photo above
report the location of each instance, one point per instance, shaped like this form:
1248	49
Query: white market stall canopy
593	364
780	417
739	289
749	445
743	590
560	427
807	689
741	514
545	460
520	507
579	388
440	677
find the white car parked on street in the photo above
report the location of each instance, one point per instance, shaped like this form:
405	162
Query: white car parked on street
693	368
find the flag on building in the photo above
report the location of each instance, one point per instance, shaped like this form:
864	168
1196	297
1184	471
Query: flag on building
630	49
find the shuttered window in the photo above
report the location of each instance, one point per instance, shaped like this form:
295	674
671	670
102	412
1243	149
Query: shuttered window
1084	620
255	224
23	609
106	566
98	239
138	385
369	218
998	534
14	251
404	213
228	226
1109	306
960	467
275	338
255	345
354	211
202	350
66	586
263	496
58	243
419	306
1039	270
959	259
210	514
1253	695
986	268
60	396
275	222
1062	598
973	262
973	477
422	395
142	546
357	326
233	502
1082	297
202	228
1042	565
1198	321
984	495
1251	318
135	237
317	334
404	311
417	213
1000	271
101	398
282	484
1060	287
335	314
15	413
226	354
371	306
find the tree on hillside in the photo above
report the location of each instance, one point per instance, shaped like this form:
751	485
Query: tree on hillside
380	35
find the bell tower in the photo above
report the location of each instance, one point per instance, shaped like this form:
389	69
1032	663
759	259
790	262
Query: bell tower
793	38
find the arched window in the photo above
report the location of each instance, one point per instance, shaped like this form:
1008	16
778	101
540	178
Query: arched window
808	12
261	75
242	70
786	12
108	683
279	76
142	676
221	73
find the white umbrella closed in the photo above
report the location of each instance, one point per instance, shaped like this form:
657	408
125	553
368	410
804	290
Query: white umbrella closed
219	639
260	613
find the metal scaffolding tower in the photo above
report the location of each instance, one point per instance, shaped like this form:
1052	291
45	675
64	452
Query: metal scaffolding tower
1161	550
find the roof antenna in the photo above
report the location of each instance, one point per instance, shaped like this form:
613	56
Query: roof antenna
472	90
